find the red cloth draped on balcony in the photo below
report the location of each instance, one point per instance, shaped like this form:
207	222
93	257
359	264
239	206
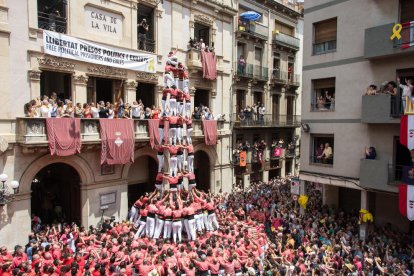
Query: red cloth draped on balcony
117	139
209	63
64	136
154	134
210	132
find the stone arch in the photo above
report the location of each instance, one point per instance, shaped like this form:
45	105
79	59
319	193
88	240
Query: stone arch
75	161
210	151
147	151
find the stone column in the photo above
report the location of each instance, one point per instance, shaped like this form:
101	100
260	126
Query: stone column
81	91
34	77
265	176
330	195
192	94
131	91
246	181
158	95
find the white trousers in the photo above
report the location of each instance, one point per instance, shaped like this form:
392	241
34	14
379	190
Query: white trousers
160	162
150	227
180	84
159	188
163	106
190	163
199	222
173	106
180	108
206	223
167	229
141	230
161	131
173	135
189	130
133	214
168	80
187	109
187	229
191	226
179	134
180	162
213	221
177	228
159	224
173	166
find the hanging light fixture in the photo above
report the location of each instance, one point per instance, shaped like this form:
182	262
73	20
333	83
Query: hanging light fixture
5	195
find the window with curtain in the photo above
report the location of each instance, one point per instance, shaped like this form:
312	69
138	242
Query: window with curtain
325	34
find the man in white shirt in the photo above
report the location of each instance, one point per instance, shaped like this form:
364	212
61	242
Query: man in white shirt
262	111
407	90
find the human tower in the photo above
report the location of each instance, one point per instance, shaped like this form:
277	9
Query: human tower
172	209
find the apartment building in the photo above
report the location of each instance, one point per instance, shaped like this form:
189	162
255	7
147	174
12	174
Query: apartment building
267	74
77	186
347	47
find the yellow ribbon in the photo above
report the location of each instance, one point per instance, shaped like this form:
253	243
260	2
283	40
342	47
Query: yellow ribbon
366	216
303	201
396	30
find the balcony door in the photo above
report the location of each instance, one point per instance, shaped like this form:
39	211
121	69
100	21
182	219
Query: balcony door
275	107
101	89
56	82
290	108
240	100
146	38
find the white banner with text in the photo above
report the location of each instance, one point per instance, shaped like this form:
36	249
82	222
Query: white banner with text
64	46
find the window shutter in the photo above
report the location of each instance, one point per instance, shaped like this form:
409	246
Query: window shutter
323	83
325	31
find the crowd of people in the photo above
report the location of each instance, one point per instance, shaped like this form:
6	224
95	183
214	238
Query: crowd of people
326	101
261	231
200	45
252	114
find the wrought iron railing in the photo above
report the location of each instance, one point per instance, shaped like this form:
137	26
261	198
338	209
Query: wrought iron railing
146	44
321	160
244	70
261	73
254	29
285	77
52	22
266	120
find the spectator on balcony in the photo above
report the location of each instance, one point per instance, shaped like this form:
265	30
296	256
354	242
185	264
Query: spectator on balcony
241	65
407	89
261	111
321	103
191	44
70	110
319	152
155	112
147	113
202	45
44	109
370	153
52	14
136	109
391	88
103	111
143	28
326	154
330	101
53	109
79	110
95	111
248	114
371	90
87	112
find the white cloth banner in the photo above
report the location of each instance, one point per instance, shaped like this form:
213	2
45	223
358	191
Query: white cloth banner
410	138
64	46
410	202
294	186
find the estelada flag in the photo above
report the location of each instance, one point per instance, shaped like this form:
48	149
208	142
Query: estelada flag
406	201
407	131
243	157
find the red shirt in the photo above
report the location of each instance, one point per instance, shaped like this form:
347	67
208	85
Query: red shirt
167	91
173	149
172	180
172	119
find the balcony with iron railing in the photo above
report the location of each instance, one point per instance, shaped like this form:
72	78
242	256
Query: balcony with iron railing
266	120
244	70
378	44
146	44
285	78
254	30
52	21
260	73
286	40
32	131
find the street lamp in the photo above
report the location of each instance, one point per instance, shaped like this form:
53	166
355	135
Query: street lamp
5	195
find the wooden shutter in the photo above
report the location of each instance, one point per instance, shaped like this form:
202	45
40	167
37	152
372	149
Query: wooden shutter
283	28
406	11
325	31
323	83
